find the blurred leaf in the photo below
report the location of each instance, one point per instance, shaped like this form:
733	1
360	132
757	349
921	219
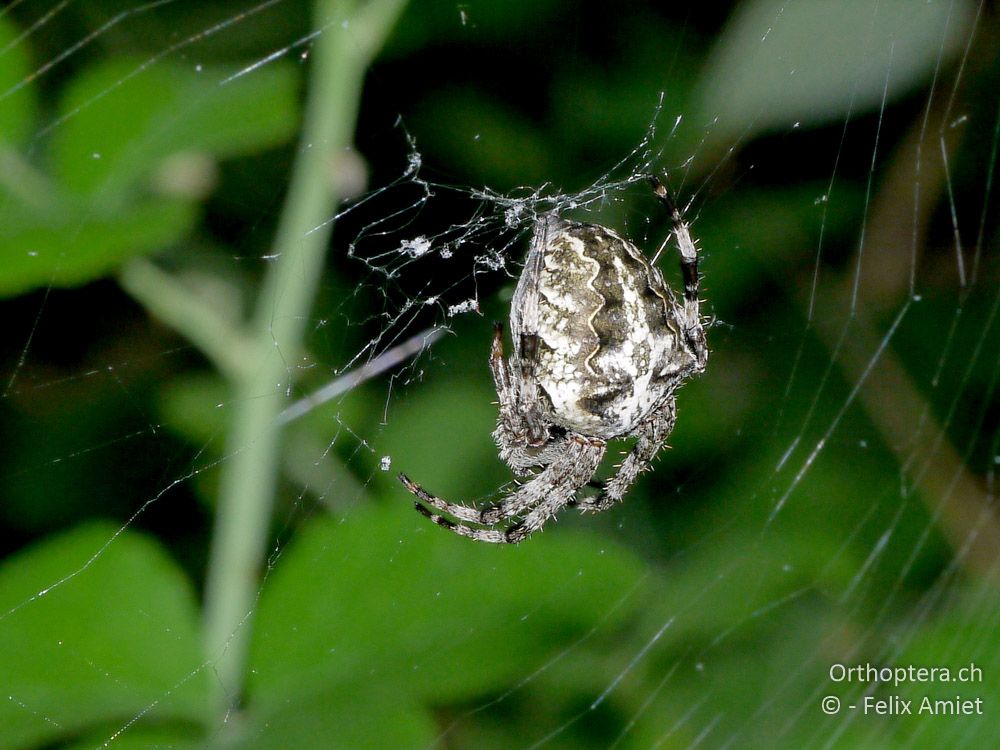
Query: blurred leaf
118	638
440	435
711	587
146	114
77	245
17	94
352	719
402	602
193	407
959	635
812	61
139	737
762	236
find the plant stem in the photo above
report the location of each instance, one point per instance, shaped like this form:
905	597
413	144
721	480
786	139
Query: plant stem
169	299
349	37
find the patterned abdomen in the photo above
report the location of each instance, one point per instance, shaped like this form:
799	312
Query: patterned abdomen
607	349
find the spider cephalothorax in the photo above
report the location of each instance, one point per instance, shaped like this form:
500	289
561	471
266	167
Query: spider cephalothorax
600	346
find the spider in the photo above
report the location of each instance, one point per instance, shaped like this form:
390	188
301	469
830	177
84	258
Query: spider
601	344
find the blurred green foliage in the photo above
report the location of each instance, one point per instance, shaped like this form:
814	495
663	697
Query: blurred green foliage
124	158
785	530
108	620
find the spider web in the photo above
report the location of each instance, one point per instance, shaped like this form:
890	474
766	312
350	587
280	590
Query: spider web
815	548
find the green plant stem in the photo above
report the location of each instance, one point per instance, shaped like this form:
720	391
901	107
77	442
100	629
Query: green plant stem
349	38
188	312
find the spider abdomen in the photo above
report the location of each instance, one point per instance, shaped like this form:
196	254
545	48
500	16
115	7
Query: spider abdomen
607	342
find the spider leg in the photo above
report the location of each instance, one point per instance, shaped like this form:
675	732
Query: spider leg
652	433
580	462
512	430
461	512
576	466
541	498
524	314
501	375
689	270
493	536
579	455
581	469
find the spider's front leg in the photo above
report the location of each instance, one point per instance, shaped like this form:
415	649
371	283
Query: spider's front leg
693	329
651	436
524	323
520	422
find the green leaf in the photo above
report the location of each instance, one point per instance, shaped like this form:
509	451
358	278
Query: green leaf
753	237
414	436
338	718
79	246
17	95
140	737
96	628
961	635
816	61
383	597
122	118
